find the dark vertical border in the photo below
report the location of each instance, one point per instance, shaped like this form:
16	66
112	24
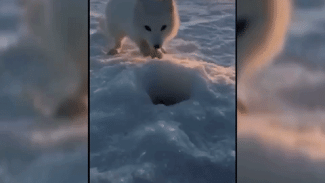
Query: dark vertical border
236	88
88	91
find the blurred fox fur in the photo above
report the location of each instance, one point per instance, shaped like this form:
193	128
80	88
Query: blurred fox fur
61	29
261	31
271	144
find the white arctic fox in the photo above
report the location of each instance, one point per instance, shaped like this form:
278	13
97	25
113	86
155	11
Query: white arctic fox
149	23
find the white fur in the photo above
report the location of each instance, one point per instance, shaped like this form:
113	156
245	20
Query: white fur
129	18
262	40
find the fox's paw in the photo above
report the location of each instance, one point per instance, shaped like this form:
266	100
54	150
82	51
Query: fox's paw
157	54
112	52
146	53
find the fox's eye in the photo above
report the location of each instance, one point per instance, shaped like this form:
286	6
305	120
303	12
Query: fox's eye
163	27
241	25
147	28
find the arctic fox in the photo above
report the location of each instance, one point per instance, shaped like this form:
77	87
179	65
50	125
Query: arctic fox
261	30
149	23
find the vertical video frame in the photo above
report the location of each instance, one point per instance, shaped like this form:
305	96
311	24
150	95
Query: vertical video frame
162	91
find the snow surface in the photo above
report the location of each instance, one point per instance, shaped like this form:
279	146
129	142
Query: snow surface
135	141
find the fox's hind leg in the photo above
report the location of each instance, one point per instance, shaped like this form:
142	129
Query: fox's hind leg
118	44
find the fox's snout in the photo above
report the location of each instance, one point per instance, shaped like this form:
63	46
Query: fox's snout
157	46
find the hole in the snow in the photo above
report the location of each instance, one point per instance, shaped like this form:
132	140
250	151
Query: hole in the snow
167	83
167	97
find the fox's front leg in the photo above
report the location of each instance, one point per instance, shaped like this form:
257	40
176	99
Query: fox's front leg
147	51
156	53
144	48
118	45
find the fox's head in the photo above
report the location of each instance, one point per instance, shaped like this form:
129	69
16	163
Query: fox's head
156	21
261	29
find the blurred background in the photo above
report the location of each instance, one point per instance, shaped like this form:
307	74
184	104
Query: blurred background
43	91
283	140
